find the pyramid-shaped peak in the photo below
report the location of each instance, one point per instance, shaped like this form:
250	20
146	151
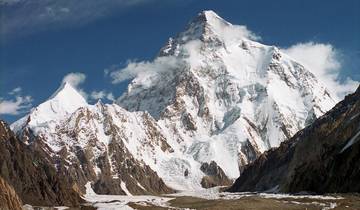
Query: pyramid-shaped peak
206	24
68	92
63	102
209	17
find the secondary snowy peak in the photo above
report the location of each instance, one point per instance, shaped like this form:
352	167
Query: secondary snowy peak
62	103
67	93
101	143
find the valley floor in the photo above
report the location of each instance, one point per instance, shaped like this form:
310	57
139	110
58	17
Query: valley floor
213	199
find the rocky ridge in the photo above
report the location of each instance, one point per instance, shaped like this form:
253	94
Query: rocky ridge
9	200
30	171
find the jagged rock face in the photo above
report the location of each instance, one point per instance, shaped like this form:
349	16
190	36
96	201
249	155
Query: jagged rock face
216	96
32	174
9	200
121	140
321	158
225	97
215	176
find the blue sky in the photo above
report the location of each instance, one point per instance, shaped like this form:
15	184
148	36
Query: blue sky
42	41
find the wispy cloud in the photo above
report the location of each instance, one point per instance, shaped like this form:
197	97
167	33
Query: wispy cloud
325	62
103	94
30	16
15	91
17	105
76	79
144	68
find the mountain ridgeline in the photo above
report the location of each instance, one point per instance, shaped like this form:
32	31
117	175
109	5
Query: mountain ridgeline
216	102
322	158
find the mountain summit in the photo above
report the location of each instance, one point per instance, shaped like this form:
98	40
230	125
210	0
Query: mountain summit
206	22
227	98
212	101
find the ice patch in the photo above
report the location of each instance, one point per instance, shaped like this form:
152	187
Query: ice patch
109	202
124	188
352	141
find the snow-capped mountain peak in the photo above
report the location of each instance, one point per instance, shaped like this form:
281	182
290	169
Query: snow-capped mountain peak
210	28
68	92
63	102
228	98
210	19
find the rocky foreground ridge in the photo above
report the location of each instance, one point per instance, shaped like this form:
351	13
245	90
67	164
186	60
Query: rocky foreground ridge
9	200
31	173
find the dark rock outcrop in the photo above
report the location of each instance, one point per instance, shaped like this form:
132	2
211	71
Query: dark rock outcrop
9	200
31	174
215	176
323	157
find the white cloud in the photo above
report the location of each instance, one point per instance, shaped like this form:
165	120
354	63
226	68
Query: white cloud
144	68
15	91
103	94
110	97
324	61
76	79
18	105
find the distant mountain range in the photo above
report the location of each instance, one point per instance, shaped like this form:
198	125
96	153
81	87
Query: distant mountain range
212	102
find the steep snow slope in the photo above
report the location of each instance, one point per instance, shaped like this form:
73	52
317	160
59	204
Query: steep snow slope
212	94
